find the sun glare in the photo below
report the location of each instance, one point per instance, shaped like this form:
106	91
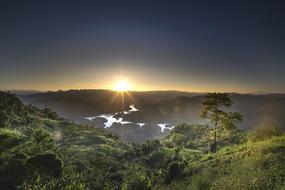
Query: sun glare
122	85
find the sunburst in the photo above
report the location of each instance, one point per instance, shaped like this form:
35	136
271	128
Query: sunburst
122	85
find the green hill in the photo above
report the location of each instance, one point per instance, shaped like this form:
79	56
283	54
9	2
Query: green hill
39	150
28	133
254	164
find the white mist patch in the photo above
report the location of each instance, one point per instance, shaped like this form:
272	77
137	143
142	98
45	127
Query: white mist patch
164	126
141	124
133	108
125	122
111	119
90	118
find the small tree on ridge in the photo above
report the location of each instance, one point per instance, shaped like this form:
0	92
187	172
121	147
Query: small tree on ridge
214	109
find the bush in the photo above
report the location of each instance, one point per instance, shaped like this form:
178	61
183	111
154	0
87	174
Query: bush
173	172
41	140
13	174
4	119
50	114
9	138
140	182
262	133
46	164
201	181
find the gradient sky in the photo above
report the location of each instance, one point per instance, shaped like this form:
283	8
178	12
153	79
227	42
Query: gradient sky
213	45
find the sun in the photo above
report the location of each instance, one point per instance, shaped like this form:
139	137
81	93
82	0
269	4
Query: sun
122	85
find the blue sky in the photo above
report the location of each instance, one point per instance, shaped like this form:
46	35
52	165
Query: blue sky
182	45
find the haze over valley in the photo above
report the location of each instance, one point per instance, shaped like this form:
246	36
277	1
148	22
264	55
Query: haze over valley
153	109
142	95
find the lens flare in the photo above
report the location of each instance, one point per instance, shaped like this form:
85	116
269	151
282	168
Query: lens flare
123	85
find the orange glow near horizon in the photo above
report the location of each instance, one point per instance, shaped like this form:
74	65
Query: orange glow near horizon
122	85
129	83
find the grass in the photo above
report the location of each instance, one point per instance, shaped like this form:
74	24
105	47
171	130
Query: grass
10	138
259	165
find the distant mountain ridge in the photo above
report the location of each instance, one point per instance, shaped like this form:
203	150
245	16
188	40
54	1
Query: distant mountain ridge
171	107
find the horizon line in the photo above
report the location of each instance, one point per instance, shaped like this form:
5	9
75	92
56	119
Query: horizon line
163	90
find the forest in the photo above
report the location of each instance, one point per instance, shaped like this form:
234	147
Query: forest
41	150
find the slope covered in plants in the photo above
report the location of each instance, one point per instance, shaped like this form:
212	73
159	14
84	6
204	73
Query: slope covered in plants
39	150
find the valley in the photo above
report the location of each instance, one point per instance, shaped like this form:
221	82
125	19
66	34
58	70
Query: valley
156	110
142	95
40	150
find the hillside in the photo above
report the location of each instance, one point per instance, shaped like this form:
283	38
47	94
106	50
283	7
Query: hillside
40	150
36	145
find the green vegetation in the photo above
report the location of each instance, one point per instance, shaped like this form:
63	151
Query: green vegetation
39	150
213	110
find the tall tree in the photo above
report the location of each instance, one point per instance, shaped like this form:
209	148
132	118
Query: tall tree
215	107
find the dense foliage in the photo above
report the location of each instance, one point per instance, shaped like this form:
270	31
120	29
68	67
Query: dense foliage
39	150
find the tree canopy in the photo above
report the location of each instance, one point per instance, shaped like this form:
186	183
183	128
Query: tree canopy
216	109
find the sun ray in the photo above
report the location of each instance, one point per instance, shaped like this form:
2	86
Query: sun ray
122	85
122	88
112	100
123	100
130	96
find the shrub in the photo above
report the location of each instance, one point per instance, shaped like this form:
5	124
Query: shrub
4	119
262	133
201	181
173	172
45	164
50	114
13	174
140	182
9	138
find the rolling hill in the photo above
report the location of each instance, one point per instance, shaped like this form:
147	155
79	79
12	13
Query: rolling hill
40	150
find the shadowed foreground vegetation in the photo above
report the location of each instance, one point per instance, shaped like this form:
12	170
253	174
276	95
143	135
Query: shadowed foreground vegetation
39	150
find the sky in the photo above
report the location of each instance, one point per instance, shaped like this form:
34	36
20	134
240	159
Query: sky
197	46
